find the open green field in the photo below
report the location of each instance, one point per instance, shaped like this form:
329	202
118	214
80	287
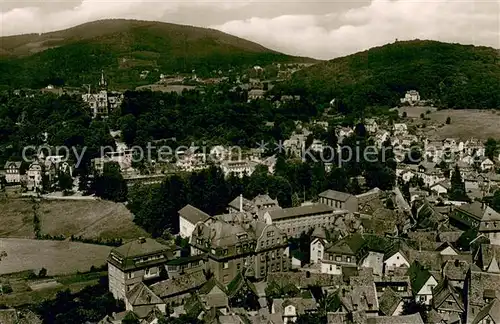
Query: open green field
33	291
58	257
465	123
89	219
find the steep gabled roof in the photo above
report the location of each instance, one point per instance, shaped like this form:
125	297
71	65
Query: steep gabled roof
142	295
349	245
245	203
395	248
474	209
319	232
418	276
493	266
443	290
389	302
193	214
16	164
487	253
446	245
492	310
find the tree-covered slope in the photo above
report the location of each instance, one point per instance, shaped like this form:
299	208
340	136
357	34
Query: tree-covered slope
458	76
124	48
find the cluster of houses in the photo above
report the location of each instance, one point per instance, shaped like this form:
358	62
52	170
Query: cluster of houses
42	171
230	160
372	253
434	160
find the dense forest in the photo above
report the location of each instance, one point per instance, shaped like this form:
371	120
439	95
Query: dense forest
216	117
452	75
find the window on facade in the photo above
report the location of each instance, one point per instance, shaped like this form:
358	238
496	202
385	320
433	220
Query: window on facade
238	248
224	252
401	288
270	233
238	266
338	258
226	265
130	275
348	259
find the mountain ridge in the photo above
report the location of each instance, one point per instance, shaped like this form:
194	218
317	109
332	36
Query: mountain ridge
124	48
451	74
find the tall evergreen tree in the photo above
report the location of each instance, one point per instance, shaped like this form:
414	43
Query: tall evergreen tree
457	186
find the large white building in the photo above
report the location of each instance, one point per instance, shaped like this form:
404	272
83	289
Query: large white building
293	221
411	97
318	245
238	168
102	102
135	262
189	216
34	176
12	172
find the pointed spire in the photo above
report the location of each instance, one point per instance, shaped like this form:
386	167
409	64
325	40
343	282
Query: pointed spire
102	83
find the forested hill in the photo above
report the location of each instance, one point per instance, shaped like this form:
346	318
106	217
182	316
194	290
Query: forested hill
124	48
459	76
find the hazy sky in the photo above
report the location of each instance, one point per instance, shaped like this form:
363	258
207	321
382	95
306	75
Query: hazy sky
321	29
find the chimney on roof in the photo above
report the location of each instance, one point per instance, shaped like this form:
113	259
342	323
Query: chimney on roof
141	240
241	203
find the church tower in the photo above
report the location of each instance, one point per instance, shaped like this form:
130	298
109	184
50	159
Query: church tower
102	83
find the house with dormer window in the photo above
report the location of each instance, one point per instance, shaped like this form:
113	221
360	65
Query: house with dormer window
12	172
